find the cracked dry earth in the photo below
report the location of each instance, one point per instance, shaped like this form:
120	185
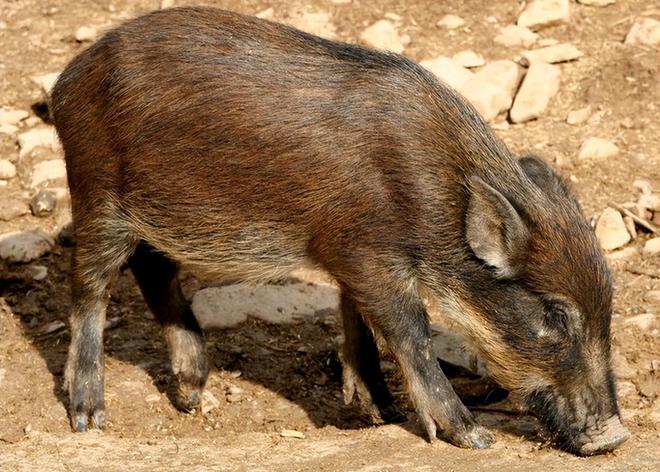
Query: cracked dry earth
273	377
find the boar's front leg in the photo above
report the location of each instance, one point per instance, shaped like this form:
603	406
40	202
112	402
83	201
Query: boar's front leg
361	365
395	309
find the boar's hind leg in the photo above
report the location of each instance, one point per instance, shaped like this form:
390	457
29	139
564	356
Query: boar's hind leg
156	275
361	366
398	313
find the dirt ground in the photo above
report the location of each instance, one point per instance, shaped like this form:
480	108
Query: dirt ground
272	377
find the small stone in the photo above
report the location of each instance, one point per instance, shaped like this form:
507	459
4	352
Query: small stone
487	97
37	137
38	272
448	71
611	230
341	2
650	202
622	368
166	4
516	36
630	226
597	149
267	14
111	323
209	402
85	34
234	390
627	123
317	23
644	321
597	3
43	203
651	247
644	32
46	81
652	296
540	13
624	254
292	433
504	73
6	128
468	59
501	125
7	169
545	42
52	327
450	22
24	246
393	16
11	116
625	389
563	52
539	86
579	116
153	398
383	35
45	171
13	208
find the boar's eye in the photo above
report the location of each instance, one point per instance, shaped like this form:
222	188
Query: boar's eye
559	317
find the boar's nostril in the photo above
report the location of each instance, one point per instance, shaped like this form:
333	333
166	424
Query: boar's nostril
606	438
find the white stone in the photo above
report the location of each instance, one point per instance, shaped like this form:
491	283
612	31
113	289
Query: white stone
38	272
6	128
267	14
24	246
46	81
451	22
506	74
611	230
579	116
292	433
644	321
85	34
384	35
652	247
545	42
393	16
44	136
7	169
209	402
652	296
539	13
487	97
649	202
166	4
624	254
228	306
625	389
468	59
539	86
317	23
552	54
643	185
45	171
11	116
341	2
644	32
516	36
448	71
597	148
597	3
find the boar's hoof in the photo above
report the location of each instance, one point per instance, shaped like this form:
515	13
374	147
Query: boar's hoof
605	439
477	438
188	400
79	421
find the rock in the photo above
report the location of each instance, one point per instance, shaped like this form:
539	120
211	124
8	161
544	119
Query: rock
505	74
540	84
24	246
630	226
651	247
46	81
644	32
597	3
652	296
384	35
45	171
318	23
85	34
516	36
597	149
292	433
468	59
43	203
220	307
341	2
6	128
625	389
643	322
166	4
209	402
13	208
643	186
611	230
267	14
450	22
540	13
44	136
37	272
52	327
11	116
7	169
112	323
622	367
624	254
487	97
649	202
154	397
579	116
552	54
448	71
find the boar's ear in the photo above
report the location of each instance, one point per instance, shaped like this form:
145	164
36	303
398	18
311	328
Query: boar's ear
543	175
494	229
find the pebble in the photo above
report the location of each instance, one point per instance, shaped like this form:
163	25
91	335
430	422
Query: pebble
11	116
6	128
597	149
166	4
540	13
267	14
85	34
450	22
384	35
489	98
43	203
24	246
644	321
451	73
46	81
516	36
611	230
652	296
625	389
644	32
7	169
630	226
52	327
44	136
292	433
317	23
622	368
563	52
506	74
597	3
45	171
153	398
539	86
624	254
651	247
648	201
468	59
38	272
579	116
13	208
209	402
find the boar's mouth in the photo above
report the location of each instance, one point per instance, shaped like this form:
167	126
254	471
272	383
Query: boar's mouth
604	435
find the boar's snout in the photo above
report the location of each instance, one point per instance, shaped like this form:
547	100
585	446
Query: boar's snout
602	438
